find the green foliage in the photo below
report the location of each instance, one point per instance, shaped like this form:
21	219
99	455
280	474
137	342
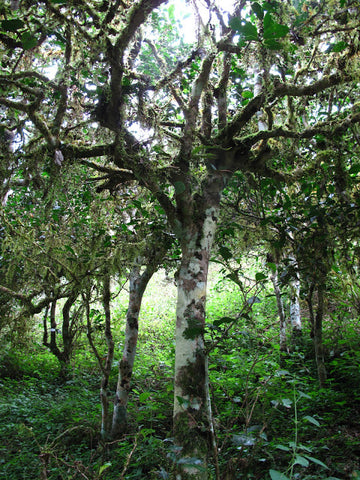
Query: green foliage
257	393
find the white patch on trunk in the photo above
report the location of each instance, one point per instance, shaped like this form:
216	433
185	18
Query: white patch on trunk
186	348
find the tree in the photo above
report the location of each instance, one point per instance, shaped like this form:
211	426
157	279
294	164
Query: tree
138	105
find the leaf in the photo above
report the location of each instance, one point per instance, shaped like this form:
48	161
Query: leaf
315	460
28	41
272	266
247	94
104	467
354	169
246	30
192	462
286	402
299	460
337	47
275	475
223	320
273	44
12	25
260	276
312	420
258	10
282	447
225	253
272	29
144	396
171	12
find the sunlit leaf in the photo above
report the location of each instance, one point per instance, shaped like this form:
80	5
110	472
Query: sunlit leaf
246	30
247	94
104	467
272	29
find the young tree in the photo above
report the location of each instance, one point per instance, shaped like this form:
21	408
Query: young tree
247	94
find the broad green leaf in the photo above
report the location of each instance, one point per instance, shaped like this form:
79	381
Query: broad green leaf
246	30
225	253
315	460
12	25
260	276
272	29
258	10
312	420
304	395
276	475
247	94
144	396
337	47
271	6
299	460
272	266
223	320
282	447
28	41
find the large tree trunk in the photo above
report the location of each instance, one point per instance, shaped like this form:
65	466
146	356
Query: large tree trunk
192	410
137	284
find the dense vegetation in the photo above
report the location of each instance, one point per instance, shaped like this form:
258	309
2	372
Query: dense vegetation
268	408
135	155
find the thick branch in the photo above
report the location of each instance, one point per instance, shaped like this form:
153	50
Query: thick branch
325	128
283	89
137	17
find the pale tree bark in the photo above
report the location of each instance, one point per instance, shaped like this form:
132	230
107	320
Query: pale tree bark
137	284
192	409
295	316
281	310
105	363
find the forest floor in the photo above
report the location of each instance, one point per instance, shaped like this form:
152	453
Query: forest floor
272	419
